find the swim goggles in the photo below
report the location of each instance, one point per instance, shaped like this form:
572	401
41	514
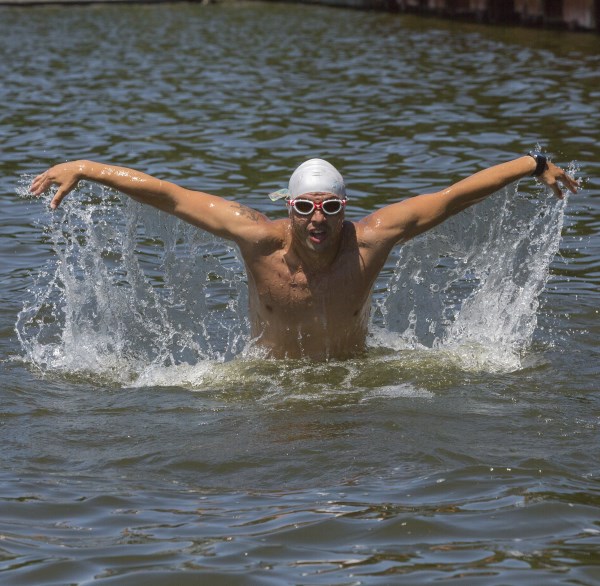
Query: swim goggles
305	207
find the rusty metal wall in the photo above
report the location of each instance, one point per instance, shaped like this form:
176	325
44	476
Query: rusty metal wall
571	14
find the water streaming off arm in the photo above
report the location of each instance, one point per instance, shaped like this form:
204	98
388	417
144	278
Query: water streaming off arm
471	287
131	291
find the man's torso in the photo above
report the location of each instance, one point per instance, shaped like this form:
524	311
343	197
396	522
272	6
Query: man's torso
297	312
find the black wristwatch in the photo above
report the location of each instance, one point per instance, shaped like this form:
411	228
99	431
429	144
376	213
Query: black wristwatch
540	162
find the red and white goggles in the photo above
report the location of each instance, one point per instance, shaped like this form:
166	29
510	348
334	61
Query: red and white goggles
305	207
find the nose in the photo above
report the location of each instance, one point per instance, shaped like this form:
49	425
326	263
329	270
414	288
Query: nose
318	215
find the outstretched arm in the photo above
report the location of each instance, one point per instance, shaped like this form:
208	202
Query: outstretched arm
406	219
209	212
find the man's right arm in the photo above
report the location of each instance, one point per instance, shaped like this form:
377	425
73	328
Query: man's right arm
209	212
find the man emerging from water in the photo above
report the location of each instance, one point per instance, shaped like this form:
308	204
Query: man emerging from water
310	275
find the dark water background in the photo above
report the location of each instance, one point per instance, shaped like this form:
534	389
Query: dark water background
463	449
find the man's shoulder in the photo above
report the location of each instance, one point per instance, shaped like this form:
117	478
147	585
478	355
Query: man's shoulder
276	230
360	233
266	238
371	244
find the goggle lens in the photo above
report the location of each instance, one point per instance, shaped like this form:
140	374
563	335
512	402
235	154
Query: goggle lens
303	206
332	206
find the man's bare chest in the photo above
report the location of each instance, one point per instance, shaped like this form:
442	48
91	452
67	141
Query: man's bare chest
287	287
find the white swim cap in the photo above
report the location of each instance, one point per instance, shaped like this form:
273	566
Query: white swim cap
314	175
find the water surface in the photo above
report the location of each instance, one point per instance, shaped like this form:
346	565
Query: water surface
145	443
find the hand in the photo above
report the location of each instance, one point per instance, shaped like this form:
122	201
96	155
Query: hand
66	176
552	175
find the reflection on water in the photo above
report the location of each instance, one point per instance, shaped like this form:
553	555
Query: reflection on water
143	440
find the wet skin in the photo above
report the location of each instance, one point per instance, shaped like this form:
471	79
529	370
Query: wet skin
310	277
310	294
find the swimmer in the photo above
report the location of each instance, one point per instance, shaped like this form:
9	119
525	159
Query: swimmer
310	275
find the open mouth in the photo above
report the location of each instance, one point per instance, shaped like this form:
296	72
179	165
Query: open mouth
317	235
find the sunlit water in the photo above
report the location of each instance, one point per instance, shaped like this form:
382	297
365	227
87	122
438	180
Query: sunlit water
145	440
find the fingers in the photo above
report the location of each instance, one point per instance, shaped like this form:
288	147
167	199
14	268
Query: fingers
62	192
60	175
570	183
39	184
553	175
557	190
58	197
567	181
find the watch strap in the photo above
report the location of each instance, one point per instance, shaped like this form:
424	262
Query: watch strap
540	162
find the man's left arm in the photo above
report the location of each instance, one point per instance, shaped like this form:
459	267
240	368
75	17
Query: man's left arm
406	219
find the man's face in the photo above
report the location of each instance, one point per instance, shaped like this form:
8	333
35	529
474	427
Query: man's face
317	231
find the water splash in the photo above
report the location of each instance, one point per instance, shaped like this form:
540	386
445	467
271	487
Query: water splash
139	297
470	289
130	289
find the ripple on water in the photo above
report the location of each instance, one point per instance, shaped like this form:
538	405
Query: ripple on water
460	448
